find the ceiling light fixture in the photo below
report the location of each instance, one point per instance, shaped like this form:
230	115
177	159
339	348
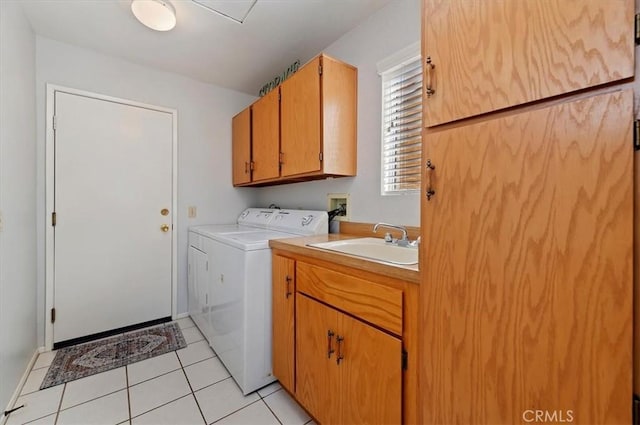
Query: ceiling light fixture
155	14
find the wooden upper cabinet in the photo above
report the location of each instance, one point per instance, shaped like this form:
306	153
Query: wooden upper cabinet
266	137
283	308
319	120
301	121
241	147
528	247
490	55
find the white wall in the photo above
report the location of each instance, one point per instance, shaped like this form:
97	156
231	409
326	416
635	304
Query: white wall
392	28
204	136
17	197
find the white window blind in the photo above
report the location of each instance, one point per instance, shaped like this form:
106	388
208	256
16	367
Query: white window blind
402	126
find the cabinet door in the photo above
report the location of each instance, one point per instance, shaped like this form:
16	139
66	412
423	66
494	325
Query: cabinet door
370	373
317	380
490	55
241	147
266	137
300	120
283	342
527	255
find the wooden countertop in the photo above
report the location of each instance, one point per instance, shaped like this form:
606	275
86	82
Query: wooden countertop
299	247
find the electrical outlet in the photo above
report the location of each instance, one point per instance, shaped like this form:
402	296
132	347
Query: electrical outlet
192	212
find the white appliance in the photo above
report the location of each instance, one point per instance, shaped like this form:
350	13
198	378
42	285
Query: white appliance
230	286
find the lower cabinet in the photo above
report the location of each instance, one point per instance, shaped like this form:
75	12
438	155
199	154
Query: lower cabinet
339	342
347	371
283	313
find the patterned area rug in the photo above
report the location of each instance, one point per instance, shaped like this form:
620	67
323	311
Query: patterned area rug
87	359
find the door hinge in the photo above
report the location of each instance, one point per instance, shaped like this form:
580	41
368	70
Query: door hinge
320	69
53	315
405	359
636	135
54	218
320	156
637	28
55	122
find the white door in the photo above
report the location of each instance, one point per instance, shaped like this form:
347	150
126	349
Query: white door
112	243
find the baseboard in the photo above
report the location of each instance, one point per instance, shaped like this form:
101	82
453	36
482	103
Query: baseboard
181	316
25	375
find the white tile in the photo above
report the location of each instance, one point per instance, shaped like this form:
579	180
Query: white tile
158	391
34	380
195	352
254	414
44	359
205	373
110	409
269	389
183	411
185	323
150	368
286	409
36	405
94	386
192	335
221	399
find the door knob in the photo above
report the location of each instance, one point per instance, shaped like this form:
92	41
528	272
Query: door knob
164	228
164	211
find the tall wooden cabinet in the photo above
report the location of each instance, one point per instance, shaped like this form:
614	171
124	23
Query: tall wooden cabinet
304	129
527	249
489	55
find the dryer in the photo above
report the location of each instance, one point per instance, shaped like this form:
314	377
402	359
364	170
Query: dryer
235	315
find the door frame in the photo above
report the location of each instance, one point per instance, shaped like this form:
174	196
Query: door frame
50	191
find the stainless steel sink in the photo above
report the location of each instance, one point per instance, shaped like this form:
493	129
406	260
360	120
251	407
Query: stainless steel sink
373	248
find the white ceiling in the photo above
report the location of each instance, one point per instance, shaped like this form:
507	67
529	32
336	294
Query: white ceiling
205	45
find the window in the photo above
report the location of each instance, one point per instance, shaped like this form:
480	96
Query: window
401	121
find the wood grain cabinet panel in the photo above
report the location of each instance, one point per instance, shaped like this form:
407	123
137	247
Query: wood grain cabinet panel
528	256
266	137
490	55
283	310
347	371
241	147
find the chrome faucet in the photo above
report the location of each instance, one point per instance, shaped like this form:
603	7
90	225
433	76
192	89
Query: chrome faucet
403	241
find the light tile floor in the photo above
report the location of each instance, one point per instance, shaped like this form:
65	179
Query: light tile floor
188	386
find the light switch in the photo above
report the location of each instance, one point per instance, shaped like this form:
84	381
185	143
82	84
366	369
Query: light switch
192	212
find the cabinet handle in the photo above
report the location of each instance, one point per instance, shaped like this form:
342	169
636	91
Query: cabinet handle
288	279
330	350
430	168
339	356
428	70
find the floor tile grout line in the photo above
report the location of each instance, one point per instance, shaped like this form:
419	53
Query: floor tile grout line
126	374
88	401
64	389
210	385
191	388
272	392
162	405
154	377
269	407
237	410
